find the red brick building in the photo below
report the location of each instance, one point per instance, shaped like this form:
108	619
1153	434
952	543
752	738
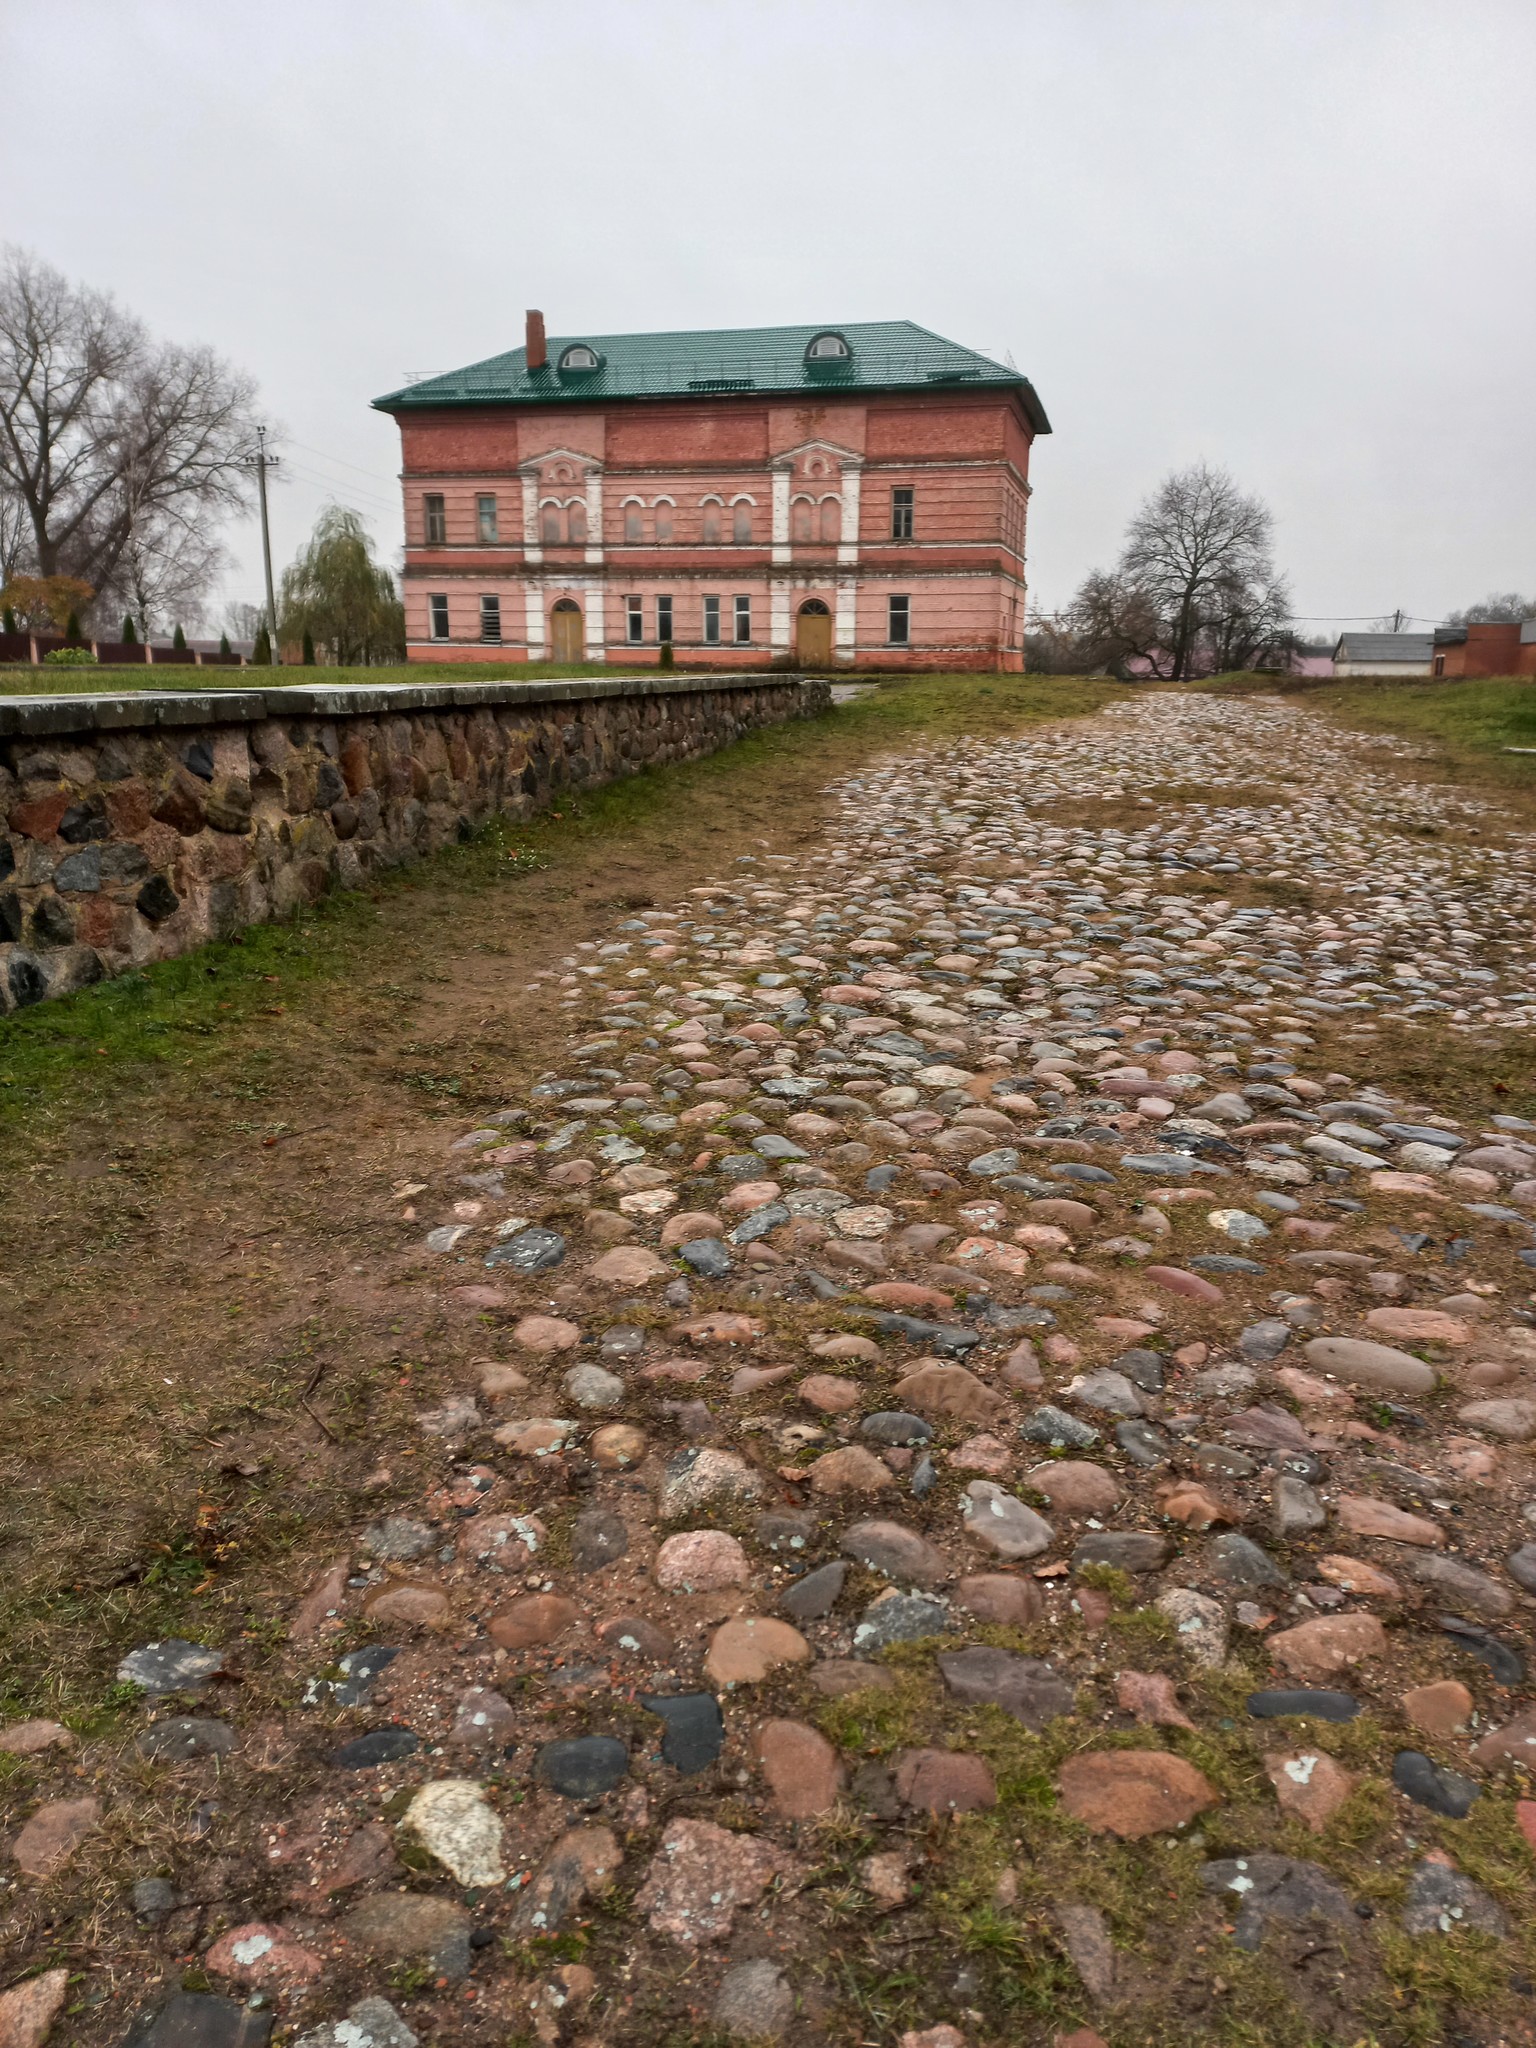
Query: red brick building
1466	652
851	496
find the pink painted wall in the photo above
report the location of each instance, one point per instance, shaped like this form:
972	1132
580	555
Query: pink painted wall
653	489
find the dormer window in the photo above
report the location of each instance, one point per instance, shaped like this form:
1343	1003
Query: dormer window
827	348
578	359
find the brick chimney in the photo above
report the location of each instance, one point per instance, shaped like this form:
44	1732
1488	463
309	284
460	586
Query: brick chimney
538	353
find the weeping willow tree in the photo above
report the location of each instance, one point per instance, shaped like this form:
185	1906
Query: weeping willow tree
336	595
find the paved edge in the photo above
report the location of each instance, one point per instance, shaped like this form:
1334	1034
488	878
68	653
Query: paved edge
85	712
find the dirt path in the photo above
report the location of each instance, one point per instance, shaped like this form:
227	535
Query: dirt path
859	1348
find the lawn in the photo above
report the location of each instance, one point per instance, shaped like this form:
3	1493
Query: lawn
1468	726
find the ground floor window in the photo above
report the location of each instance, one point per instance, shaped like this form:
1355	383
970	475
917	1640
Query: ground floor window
663	618
899	631
437	606
634	618
743	620
711	622
490	618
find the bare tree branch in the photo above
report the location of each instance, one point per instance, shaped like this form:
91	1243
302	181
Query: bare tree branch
114	448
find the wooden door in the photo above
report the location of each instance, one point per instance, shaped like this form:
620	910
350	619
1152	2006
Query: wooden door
813	636
566	620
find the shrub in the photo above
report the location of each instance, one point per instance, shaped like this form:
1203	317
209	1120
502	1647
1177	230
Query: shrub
309	648
70	657
179	640
668	659
130	631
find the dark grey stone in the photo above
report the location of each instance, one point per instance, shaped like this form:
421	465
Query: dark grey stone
156	900
786	1530
379	1746
1142	1444
1279	1888
80	872
707	1257
399	1538
924	1478
1049	1425
893	1426
771	1146
534	1250
1024	1687
904	1618
1128	1550
598	1538
1422	1134
623	1340
758	1222
360	1673
170	1666
1298	1510
755	2001
1080	1170
1144	1368
1288	1701
739	1165
153	1899
1217	1461
1440	1900
1238	1561
814	1594
1223	1262
176	1741
1521	1566
1264	1340
987	1165
1506	1664
584	1767
1429	1784
694	1730
193	2019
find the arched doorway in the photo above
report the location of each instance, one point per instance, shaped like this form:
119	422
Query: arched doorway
813	635
565	621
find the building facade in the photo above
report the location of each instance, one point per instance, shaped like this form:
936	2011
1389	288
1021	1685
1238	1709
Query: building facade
843	497
1384	654
1476	651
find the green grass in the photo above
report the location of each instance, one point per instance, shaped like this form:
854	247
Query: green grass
19	681
1469	724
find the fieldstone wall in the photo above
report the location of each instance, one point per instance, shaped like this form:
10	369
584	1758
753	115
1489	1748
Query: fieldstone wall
137	827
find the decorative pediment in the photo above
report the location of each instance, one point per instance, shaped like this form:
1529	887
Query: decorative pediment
561	466
818	460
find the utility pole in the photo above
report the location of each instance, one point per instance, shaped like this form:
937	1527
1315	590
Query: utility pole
1397	616
264	461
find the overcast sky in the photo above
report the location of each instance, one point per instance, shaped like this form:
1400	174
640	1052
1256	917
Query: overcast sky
1295	237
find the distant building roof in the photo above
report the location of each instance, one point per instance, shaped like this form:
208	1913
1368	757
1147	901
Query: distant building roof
877	355
1385	647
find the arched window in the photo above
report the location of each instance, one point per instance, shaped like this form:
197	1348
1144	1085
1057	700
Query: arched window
634	526
710	530
576	518
801	520
578	357
741	524
831	519
827	348
663	519
549	525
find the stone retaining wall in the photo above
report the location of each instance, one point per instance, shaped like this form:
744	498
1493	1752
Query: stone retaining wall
137	827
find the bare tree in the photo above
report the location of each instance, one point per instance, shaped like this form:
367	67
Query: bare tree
243	621
1499	608
165	571
1195	591
1201	553
113	447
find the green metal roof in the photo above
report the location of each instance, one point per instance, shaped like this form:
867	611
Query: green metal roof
885	355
